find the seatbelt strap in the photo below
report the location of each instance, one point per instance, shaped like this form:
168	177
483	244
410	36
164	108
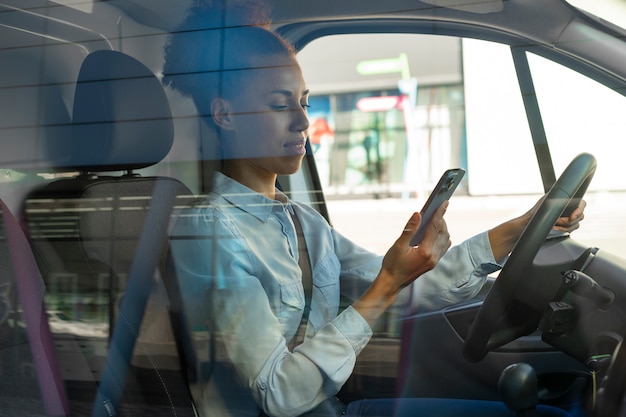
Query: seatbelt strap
140	280
307	282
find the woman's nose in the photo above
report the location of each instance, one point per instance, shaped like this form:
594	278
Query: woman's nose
300	121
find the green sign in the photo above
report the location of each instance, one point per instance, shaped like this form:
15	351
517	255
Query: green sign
385	66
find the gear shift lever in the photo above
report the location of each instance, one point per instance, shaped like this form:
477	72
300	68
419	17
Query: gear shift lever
518	388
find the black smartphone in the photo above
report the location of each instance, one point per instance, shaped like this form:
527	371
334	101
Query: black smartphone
442	192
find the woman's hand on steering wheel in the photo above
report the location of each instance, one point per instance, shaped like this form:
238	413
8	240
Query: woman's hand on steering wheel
504	236
512	307
571	223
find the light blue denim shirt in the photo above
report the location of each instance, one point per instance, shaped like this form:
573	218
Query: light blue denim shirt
236	258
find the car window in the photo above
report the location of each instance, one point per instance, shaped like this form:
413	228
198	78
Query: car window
579	115
496	122
468	112
610	10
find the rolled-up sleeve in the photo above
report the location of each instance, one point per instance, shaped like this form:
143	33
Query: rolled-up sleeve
285	383
459	275
327	359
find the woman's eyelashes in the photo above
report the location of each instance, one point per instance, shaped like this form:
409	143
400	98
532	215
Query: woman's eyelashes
280	107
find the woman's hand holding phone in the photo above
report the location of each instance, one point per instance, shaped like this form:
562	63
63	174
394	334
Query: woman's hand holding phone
444	189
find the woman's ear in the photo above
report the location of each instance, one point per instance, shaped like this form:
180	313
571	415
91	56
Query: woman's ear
221	113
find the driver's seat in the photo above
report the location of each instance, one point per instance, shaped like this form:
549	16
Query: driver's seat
101	230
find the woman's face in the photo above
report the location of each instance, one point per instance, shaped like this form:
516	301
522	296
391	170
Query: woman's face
269	119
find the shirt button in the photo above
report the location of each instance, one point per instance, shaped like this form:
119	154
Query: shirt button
263	386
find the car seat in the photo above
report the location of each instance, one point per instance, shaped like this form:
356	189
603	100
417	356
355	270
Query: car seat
100	234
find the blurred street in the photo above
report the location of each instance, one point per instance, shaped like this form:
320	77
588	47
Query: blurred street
376	223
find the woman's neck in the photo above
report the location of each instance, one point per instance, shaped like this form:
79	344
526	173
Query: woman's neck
262	182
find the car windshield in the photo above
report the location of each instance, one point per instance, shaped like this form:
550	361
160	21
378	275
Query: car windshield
613	11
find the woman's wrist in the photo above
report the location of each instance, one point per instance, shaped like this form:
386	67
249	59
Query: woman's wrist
504	236
378	298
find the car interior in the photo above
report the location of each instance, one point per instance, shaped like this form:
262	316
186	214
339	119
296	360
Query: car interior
99	158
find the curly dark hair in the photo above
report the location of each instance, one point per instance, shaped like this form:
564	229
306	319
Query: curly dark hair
206	54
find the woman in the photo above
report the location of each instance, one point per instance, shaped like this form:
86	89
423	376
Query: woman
237	253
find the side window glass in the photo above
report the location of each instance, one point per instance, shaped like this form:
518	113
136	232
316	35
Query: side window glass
580	115
390	112
496	123
363	89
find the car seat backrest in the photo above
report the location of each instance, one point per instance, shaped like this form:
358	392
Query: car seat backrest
121	122
101	233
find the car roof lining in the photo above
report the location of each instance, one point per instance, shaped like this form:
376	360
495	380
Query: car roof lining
471	6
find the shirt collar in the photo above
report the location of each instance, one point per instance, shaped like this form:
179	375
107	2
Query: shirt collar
249	200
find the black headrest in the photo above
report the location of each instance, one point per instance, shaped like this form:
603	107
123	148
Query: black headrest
122	119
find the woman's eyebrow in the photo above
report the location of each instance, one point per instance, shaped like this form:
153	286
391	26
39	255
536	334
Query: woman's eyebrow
288	93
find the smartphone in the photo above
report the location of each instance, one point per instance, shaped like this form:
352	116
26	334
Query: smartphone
442	192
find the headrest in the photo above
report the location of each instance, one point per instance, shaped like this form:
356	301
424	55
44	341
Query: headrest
122	119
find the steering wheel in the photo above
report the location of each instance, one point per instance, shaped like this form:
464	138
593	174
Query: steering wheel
499	319
611	393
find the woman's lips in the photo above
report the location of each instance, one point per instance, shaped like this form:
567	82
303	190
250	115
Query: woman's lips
295	148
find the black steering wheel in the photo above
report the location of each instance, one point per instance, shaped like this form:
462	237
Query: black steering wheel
500	319
610	402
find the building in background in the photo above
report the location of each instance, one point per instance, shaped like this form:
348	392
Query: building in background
385	137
